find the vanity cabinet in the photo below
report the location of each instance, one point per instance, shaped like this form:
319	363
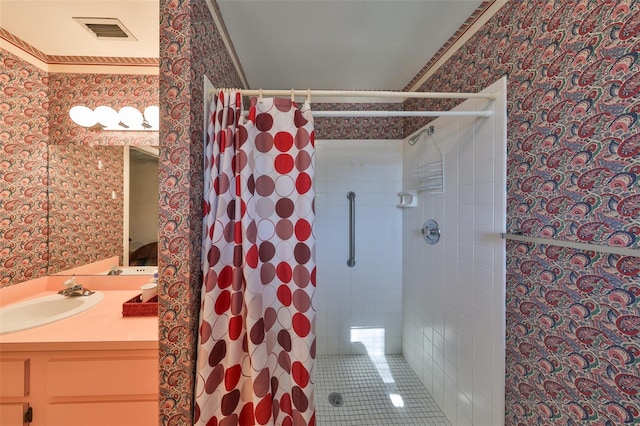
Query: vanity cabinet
95	368
79	387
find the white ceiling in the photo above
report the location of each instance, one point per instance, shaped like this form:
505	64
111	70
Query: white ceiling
48	26
319	44
324	44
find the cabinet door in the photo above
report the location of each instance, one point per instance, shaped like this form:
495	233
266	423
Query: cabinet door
104	413
13	414
14	377
102	389
98	375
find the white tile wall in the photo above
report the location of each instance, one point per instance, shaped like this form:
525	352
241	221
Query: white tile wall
453	300
368	295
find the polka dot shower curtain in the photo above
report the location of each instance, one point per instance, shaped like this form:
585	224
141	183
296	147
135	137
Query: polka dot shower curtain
256	347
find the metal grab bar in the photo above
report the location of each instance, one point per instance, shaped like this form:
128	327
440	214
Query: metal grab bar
351	262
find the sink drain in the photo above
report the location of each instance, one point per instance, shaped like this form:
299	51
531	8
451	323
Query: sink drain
335	399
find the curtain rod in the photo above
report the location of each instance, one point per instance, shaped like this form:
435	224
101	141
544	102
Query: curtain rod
333	114
482	113
366	94
376	94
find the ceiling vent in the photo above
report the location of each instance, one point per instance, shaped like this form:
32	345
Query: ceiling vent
106	28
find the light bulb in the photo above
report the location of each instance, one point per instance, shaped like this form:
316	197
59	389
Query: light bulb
83	116
131	117
107	116
152	115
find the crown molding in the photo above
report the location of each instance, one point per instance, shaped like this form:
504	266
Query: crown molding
76	64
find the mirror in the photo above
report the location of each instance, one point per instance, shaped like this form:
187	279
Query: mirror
140	237
103	202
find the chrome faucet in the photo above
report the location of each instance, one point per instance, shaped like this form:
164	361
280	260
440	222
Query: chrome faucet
73	289
114	271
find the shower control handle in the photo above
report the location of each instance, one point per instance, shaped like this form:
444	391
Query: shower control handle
431	231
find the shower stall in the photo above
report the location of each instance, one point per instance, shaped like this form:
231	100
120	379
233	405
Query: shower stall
415	330
410	286
359	308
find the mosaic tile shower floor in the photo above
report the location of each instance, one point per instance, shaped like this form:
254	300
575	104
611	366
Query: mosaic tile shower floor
367	386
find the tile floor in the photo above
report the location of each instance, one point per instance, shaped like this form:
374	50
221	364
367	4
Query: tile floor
367	385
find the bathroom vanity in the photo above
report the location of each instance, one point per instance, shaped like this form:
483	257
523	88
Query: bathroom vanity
94	368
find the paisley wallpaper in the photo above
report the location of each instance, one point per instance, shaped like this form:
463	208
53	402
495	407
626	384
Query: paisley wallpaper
85	221
358	127
190	47
23	170
573	174
34	113
573	353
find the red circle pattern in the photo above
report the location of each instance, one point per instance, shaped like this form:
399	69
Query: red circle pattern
256	349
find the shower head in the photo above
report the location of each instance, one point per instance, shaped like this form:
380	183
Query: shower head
428	130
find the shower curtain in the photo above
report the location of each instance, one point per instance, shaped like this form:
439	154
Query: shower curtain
256	349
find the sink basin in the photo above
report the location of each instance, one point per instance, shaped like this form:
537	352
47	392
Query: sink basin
43	310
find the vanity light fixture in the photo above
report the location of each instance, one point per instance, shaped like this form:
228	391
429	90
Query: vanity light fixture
128	118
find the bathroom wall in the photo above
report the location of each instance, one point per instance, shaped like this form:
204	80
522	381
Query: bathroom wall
190	48
453	301
358	127
359	309
24	127
85	204
573	347
92	90
572	69
37	105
